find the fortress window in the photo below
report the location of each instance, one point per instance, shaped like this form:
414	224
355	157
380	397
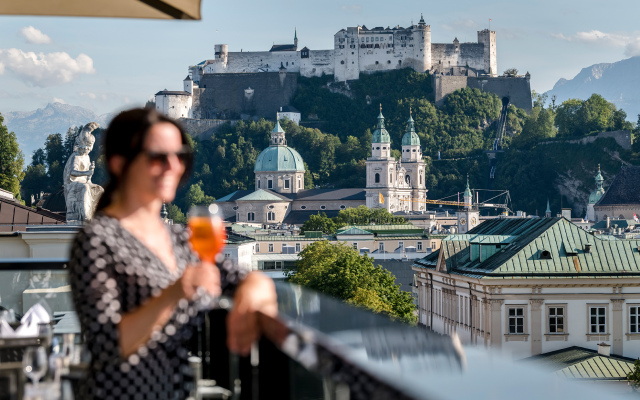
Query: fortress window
376	63
292	63
388	61
363	39
342	62
377	178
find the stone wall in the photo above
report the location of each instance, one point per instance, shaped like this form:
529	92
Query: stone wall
623	138
204	128
229	96
449	55
517	90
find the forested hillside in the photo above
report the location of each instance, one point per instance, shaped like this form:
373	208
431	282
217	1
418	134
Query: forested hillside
335	139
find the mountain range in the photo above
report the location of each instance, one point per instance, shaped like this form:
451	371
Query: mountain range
618	82
33	127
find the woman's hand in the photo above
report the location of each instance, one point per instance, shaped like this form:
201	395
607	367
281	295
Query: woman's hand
205	275
256	294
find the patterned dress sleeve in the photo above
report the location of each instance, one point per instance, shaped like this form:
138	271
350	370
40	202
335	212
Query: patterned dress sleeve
97	292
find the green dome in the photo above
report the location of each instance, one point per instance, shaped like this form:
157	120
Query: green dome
595	196
380	135
279	158
411	137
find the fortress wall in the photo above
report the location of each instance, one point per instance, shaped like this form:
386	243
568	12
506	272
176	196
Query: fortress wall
445	56
518	90
247	62
444	85
622	138
174	106
319	62
203	128
222	96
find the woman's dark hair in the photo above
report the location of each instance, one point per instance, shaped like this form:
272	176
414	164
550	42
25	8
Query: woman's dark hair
125	137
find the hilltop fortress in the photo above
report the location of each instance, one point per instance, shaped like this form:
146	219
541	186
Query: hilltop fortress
258	83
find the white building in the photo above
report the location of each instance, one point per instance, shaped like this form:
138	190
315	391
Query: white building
391	184
532	286
291	113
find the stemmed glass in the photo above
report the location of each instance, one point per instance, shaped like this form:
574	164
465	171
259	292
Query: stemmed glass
207	231
34	363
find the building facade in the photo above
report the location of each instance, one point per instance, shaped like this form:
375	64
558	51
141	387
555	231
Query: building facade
622	198
531	286
392	184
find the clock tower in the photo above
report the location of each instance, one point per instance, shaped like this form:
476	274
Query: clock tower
468	218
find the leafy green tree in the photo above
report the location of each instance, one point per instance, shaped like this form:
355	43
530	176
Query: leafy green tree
319	223
340	271
34	181
195	196
537	127
633	377
510	72
11	161
175	213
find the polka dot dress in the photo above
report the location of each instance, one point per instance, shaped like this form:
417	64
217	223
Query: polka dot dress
111	273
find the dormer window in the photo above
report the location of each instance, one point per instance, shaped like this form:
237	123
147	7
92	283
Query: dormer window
545	255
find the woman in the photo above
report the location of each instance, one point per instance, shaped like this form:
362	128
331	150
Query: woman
135	281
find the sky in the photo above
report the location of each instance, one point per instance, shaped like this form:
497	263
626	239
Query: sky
107	65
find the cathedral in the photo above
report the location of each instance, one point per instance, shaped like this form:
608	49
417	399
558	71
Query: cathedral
397	185
279	196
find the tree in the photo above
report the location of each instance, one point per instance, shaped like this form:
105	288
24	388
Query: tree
340	271
510	72
634	376
319	223
175	213
34	181
195	196
11	161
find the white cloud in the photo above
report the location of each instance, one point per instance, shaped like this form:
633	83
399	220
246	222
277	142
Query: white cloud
351	7
34	35
45	69
58	100
630	41
460	25
90	95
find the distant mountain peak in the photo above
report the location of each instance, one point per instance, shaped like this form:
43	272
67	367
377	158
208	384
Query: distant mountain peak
618	82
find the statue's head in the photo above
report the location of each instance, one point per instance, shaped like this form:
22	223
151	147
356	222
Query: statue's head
85	140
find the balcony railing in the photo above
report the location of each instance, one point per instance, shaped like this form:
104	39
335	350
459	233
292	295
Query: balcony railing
321	348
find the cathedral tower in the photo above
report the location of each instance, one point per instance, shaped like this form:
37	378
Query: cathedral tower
468	218
595	196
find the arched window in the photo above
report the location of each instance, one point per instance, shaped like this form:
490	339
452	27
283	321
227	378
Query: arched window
377	178
271	216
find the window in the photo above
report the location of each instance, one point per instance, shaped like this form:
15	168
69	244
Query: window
235	208
634	319
271	216
286	184
227	255
284	247
299	184
270	247
303	207
257	247
419	245
323	207
297	247
381	247
342	206
258	184
516	320
377	178
545	255
597	320
354	245
556	320
270	184
251	216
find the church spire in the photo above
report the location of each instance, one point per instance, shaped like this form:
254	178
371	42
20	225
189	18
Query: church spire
468	197
295	37
547	213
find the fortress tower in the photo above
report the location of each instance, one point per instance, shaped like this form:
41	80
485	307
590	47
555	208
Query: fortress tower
488	39
422	50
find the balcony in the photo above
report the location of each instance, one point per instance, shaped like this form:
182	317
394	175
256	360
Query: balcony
319	348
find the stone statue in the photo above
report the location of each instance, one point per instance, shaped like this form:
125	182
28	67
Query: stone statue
80	194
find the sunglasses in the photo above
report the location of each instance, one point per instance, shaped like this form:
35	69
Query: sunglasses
161	158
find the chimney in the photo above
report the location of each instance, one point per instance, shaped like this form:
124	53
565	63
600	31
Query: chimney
608	222
587	248
566	213
280	109
604	349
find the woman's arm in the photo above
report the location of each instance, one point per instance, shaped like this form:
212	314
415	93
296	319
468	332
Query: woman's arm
135	328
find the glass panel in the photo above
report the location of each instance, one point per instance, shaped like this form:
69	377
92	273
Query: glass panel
560	311
552	311
593	311
520	311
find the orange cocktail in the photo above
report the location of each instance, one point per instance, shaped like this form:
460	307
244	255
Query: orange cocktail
207	234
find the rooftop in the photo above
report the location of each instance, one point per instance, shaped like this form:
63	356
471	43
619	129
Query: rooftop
580	363
625	188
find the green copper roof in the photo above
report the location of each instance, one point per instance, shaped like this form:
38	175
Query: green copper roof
523	258
353	231
279	158
380	135
580	363
467	191
277	128
548	208
597	194
260	195
411	137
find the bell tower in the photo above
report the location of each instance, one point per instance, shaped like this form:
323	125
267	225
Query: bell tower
469	217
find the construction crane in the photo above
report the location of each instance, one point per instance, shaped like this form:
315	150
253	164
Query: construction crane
485	204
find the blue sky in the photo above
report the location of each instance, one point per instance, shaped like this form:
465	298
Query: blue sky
110	64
